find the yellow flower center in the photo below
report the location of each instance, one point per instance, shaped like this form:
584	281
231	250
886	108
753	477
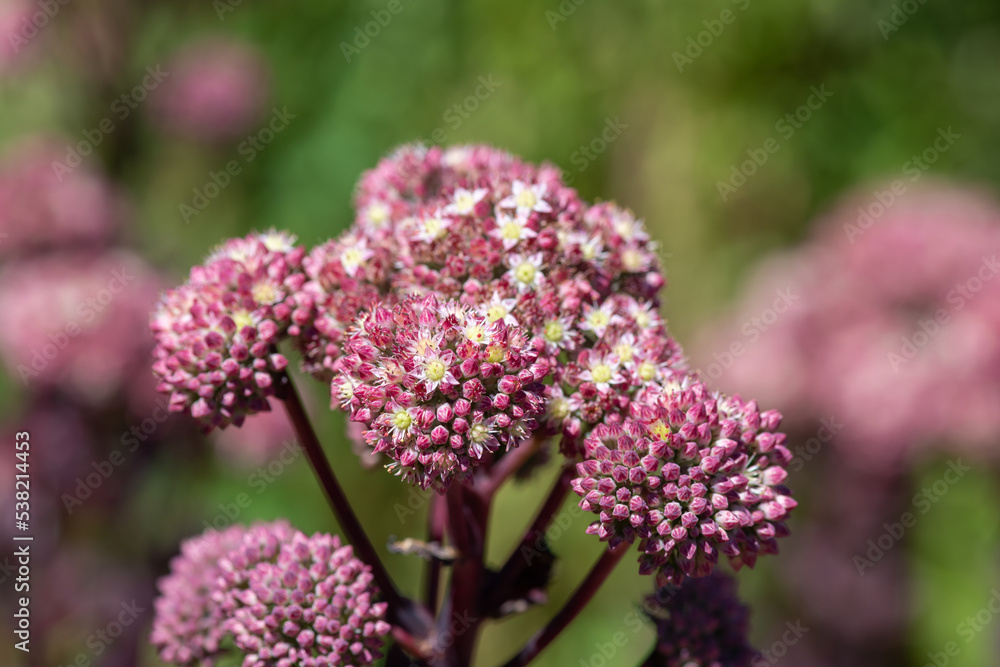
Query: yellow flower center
526	199
351	257
378	214
402	420
554	332
478	433
659	430
559	408
601	373
264	293
510	231
647	370
495	354
525	272
624	352
599	318
497	311
242	319
632	260
476	333
434	227
434	370
625	229
464	202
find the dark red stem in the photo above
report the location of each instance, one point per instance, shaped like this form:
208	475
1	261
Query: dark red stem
437	517
532	540
348	520
460	619
583	595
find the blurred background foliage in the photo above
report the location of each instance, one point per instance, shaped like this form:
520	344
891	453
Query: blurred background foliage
563	73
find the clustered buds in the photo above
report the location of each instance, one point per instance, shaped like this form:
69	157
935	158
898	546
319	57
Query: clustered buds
188	627
690	474
508	242
438	388
701	624
477	301
216	334
283	599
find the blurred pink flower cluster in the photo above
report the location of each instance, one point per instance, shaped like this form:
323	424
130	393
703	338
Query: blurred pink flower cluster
16	29
42	208
891	329
215	92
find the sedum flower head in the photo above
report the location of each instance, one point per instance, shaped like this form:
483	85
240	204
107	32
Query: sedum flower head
690	474
280	597
439	387
216	334
188	625
216	92
701	624
289	599
509	242
45	204
897	317
78	321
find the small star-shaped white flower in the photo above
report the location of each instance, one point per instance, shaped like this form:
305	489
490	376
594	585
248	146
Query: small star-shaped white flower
463	202
277	241
558	335
627	227
400	423
599	319
625	349
526	198
644	315
354	255
376	214
525	272
500	309
477	331
432	227
512	230
603	371
436	369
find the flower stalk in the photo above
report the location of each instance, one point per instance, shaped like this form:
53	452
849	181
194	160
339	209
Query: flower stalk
578	601
341	506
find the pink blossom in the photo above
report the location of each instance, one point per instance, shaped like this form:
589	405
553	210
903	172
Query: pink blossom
216	92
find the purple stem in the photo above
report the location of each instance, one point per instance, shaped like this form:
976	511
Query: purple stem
516	562
467	526
348	520
437	517
586	591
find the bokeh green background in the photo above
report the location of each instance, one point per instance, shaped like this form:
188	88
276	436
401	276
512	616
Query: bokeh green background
565	71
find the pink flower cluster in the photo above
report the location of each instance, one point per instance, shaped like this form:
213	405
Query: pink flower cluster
41	207
216	92
691	474
188	626
475	302
508	242
283	599
439	387
216	334
15	26
77	321
897	318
